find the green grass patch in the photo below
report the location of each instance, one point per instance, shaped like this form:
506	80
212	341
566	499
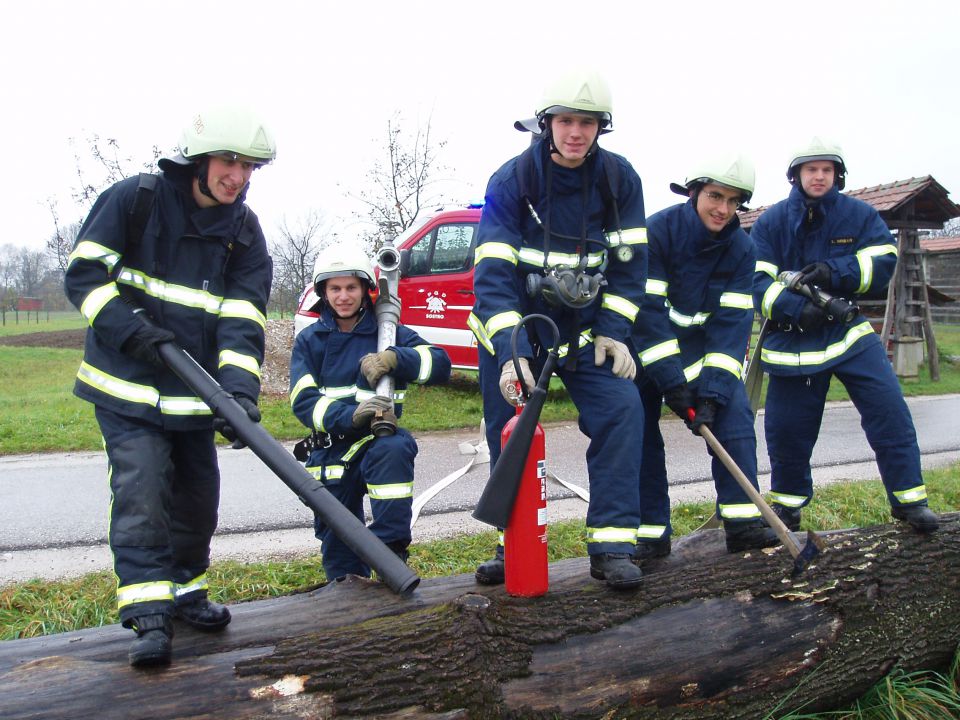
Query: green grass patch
13	323
38	412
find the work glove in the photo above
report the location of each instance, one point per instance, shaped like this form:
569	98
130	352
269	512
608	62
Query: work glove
367	409
623	364
221	426
811	317
508	379
142	345
705	414
679	399
818	274
375	365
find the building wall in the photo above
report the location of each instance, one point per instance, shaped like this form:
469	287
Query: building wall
943	273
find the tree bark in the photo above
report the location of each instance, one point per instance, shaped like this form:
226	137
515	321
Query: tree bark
708	634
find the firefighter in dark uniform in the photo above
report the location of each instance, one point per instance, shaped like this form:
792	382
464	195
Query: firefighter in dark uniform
838	245
334	369
199	269
562	234
697	317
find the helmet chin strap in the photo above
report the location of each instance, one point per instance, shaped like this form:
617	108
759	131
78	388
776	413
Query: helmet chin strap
203	168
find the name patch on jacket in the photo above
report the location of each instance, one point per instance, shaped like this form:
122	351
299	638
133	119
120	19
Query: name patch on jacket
842	241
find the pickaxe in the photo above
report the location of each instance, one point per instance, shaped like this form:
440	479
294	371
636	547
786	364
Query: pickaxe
801	555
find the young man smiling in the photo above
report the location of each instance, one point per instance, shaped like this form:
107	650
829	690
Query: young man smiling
840	245
334	369
697	317
562	235
199	268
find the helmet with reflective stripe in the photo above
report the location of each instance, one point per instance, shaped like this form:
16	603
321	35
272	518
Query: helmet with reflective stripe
819	148
343	260
235	133
733	171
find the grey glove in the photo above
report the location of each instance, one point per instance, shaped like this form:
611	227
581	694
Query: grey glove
623	364
221	426
508	379
367	409
375	365
142	345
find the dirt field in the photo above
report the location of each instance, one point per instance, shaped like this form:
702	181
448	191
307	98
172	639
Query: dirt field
275	372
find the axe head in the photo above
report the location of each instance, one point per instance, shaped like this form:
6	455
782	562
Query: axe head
813	547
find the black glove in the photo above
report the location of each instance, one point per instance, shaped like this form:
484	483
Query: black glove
367	409
221	426
705	415
811	317
142	345
679	399
818	274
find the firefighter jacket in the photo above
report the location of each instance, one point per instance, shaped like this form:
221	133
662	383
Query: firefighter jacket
203	274
511	246
698	309
849	236
326	384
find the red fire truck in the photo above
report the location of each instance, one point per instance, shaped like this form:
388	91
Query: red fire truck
436	282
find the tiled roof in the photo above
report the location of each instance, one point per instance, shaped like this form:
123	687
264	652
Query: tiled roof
940	244
930	200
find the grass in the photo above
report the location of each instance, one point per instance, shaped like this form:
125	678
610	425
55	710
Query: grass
13	323
38	412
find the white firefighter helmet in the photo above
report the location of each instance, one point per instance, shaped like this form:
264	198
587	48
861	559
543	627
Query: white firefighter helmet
577	91
232	132
819	148
733	171
342	260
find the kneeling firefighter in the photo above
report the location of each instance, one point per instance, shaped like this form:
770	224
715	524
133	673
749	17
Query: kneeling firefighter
562	234
334	369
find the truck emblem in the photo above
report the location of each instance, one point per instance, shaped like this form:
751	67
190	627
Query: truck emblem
436	305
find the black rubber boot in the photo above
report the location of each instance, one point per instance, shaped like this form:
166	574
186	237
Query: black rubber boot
920	517
491	571
154	643
790	516
399	548
651	550
749	535
616	569
199	613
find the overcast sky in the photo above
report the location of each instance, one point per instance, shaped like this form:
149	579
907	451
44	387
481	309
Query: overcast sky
689	78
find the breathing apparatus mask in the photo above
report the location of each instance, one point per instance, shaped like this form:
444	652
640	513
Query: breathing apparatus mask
566	286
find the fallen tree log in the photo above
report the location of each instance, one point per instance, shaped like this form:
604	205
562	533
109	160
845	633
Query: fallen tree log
709	634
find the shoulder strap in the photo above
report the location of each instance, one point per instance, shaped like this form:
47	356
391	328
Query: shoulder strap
527	180
140	210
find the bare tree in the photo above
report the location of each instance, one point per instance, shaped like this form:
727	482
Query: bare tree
399	186
61	242
951	228
293	256
110	166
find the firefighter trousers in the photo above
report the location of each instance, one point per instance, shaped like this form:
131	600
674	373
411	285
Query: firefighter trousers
165	491
610	412
794	412
384	472
734	430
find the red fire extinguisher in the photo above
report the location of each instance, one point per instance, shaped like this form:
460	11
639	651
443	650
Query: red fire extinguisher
525	536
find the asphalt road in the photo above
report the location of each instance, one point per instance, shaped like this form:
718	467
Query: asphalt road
54	507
